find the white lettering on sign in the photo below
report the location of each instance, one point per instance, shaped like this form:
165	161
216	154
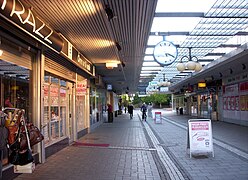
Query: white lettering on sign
18	9
18	13
84	63
32	23
4	4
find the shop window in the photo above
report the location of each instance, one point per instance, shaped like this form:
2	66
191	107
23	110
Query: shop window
55	109
54	80
63	83
81	90
46	78
15	92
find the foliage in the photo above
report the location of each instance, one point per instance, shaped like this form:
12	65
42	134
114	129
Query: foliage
155	99
125	100
137	99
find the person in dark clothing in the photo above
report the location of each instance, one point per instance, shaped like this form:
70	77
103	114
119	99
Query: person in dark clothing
130	110
110	113
143	110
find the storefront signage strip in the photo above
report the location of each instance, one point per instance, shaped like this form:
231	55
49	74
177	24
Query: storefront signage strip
23	17
86	65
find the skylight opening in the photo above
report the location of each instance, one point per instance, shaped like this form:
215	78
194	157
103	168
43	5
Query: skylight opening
184	6
174	24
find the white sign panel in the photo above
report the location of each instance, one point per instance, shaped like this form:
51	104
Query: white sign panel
81	88
200	136
158	117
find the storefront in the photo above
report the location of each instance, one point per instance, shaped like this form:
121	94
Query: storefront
180	103
17	87
234	100
38	74
82	106
58	102
97	105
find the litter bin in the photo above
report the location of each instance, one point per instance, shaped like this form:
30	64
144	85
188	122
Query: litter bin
181	111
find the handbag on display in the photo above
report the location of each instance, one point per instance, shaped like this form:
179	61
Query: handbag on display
3	132
18	156
13	126
15	145
35	136
29	166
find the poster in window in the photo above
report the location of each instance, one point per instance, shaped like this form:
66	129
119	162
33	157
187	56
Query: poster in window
228	103
237	103
62	97
244	103
81	88
232	103
46	102
54	92
225	103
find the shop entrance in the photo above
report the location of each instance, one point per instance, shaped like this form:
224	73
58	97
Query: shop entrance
70	117
58	106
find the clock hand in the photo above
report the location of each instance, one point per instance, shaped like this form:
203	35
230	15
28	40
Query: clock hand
167	54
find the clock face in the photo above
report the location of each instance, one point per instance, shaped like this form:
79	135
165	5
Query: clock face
165	53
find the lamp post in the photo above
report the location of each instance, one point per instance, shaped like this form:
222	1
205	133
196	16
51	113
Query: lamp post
165	82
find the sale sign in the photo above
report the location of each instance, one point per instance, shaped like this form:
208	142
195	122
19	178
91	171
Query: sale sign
81	88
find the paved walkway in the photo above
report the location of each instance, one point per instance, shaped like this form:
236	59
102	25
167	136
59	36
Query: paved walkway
132	150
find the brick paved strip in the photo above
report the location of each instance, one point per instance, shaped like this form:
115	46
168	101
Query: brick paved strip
171	168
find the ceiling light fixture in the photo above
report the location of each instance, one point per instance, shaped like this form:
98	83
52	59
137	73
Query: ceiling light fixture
109	12
123	64
190	65
111	65
244	66
118	46
165	82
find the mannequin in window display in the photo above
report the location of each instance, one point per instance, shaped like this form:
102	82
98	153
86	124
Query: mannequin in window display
7	102
54	117
54	124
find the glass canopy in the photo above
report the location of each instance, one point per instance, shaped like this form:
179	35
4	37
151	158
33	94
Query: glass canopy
204	29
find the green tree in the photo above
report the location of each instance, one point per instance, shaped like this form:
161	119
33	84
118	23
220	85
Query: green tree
161	99
136	99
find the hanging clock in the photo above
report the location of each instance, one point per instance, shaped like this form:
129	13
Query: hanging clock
165	53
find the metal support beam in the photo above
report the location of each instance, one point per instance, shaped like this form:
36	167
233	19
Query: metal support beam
179	14
192	14
185	33
215	54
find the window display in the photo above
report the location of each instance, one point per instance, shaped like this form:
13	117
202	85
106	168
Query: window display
15	92
55	106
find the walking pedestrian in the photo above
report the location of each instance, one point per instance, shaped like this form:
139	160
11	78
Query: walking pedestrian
130	110
143	110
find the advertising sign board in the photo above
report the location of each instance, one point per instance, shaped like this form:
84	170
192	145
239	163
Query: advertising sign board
200	136
158	119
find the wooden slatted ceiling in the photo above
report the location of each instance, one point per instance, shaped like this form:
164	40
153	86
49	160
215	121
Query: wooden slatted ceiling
76	21
85	25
